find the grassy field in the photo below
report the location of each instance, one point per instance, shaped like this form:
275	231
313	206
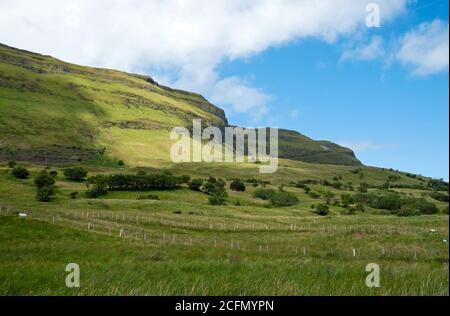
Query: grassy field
181	245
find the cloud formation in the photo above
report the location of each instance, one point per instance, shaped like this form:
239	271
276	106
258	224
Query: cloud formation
426	48
365	51
181	41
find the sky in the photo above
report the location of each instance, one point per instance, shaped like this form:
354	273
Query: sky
316	67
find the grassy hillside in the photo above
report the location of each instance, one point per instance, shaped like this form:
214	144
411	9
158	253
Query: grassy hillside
52	111
182	245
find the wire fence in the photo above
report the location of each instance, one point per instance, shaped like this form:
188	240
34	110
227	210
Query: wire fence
161	231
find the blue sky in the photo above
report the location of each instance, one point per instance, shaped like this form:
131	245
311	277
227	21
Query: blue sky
390	117
310	66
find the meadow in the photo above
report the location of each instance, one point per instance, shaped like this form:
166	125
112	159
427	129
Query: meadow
179	244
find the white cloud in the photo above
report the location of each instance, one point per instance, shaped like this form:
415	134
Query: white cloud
183	41
361	145
240	97
426	48
365	51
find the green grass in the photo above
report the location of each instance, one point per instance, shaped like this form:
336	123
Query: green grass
193	248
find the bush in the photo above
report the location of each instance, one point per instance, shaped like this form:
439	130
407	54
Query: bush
328	196
121	163
408	210
283	198
20	173
218	199
441	197
77	174
44	194
216	189
263	194
314	195
195	184
12	164
184	179
73	195
138	182
322	209
237	185
96	191
423	206
214	186
54	173
43	180
347	200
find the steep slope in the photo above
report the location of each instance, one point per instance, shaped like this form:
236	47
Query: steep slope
52	111
296	146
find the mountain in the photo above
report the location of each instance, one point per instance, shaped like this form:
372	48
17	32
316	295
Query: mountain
53	111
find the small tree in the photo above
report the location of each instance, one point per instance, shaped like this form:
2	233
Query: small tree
263	194
184	179
307	189
283	198
77	174
322	209
20	173
43	180
44	194
328	196
195	184
237	185
54	173
12	164
121	163
347	200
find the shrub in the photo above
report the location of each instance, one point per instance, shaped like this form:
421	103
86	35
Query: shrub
184	179
73	195
314	195
138	182
438	185
20	173
12	164
263	194
43	179
96	191
347	200
441	197
218	199
44	194
307	189
77	174
423	206
389	201
195	184
408	210
54	173
322	209
237	185
121	163
216	189
328	196
283	198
